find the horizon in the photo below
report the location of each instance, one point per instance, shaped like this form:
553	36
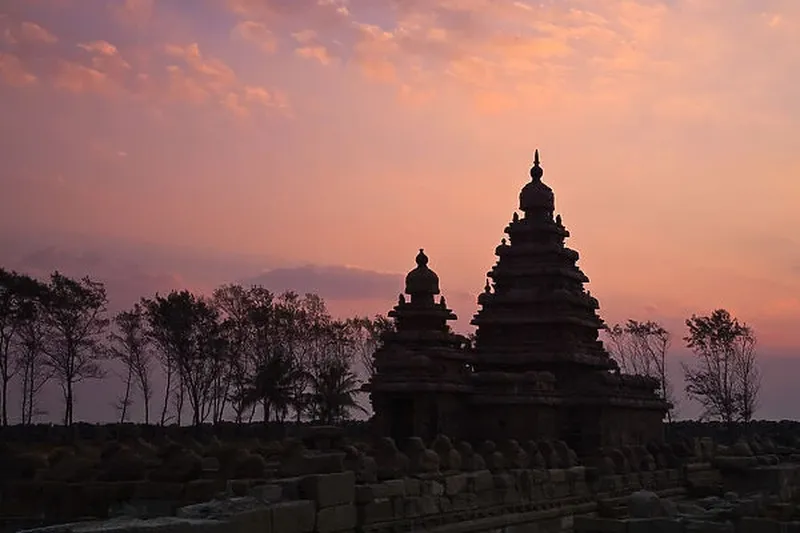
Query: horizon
318	146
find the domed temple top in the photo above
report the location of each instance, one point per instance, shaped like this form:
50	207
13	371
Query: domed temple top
536	195
422	281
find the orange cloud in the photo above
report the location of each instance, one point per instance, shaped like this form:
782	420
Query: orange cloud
16	32
318	53
132	12
13	72
256	33
77	78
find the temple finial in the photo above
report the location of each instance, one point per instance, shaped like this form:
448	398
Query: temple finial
536	170
422	259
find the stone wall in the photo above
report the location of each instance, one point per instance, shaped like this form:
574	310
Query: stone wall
326	485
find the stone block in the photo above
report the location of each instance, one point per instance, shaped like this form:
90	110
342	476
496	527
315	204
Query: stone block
431	487
368	493
267	493
557	475
329	490
294	517
395	487
464	501
761	525
455	484
336	518
290	487
412	486
480	481
583	524
252	521
376	511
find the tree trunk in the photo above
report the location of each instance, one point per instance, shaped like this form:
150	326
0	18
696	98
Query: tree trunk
166	396
4	396
68	397
146	401
127	397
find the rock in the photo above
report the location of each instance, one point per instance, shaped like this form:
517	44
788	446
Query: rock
644	504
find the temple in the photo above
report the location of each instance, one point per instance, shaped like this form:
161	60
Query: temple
537	369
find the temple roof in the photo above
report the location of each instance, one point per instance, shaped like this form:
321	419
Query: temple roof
536	195
422	280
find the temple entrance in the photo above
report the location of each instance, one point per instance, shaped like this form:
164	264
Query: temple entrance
402	418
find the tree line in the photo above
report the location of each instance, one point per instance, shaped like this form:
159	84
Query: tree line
239	354
724	377
244	353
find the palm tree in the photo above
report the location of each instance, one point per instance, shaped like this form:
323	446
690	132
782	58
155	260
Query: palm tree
333	387
274	384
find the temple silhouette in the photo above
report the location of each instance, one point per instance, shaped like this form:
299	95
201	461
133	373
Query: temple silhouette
537	369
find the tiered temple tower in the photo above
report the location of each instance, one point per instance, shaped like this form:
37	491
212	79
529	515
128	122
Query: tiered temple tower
538	315
421	371
538	369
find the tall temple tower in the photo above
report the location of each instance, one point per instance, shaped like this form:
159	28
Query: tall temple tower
421	371
538	369
538	315
536	319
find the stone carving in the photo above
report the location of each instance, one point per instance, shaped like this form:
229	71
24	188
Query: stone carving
421	459
449	457
391	463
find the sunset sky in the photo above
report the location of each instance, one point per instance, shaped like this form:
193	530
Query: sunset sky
317	144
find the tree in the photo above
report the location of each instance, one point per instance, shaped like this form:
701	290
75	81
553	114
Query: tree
10	310
20	339
333	384
131	346
189	333
274	385
641	348
368	337
31	358
725	379
75	323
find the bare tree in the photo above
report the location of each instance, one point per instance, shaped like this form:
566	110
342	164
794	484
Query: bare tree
367	334
75	321
130	345
725	377
641	348
11	302
188	331
28	342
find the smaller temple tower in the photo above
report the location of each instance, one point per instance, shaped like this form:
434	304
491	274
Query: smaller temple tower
421	370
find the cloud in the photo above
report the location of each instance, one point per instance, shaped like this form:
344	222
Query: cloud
13	72
256	33
331	282
132	12
77	78
24	32
602	55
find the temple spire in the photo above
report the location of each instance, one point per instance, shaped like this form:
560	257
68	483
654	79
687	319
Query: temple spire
536	170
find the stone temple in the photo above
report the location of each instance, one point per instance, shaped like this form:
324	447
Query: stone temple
537	369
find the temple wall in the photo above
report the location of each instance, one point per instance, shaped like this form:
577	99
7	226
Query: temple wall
437	489
518	421
623	426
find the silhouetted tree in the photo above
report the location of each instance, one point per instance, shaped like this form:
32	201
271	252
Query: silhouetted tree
188	331
10	311
641	348
275	385
332	383
725	378
234	303
131	346
367	334
75	323
30	357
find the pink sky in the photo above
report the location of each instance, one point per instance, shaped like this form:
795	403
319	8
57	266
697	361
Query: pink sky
167	143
